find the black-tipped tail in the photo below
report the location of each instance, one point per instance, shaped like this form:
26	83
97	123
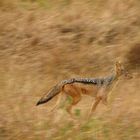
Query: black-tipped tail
53	92
42	101
38	103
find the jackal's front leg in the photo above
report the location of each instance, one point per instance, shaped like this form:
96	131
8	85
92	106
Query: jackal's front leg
105	100
101	95
94	105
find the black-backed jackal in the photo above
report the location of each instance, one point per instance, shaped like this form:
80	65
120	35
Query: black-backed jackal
95	87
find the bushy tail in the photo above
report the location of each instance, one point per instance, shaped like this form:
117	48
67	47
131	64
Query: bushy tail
53	92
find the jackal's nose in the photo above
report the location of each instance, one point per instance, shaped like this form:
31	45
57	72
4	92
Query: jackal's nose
128	75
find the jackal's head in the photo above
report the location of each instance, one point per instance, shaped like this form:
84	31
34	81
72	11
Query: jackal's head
120	70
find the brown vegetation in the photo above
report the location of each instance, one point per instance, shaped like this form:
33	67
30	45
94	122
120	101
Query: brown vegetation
43	42
133	57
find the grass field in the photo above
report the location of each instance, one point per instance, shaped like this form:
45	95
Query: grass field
43	42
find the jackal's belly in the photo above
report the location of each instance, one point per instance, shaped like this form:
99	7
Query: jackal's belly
76	89
89	90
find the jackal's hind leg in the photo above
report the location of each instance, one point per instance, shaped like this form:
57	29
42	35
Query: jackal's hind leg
75	100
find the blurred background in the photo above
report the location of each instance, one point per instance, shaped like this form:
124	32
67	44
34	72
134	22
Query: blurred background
45	41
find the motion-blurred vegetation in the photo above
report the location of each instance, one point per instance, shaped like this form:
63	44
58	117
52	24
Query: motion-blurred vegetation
45	41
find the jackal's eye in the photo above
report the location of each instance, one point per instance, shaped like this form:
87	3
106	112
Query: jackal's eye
122	70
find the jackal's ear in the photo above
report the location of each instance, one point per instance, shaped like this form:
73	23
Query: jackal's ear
118	63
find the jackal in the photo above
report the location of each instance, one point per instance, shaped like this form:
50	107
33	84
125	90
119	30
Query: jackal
94	87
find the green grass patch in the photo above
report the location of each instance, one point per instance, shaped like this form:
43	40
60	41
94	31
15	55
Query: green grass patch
77	112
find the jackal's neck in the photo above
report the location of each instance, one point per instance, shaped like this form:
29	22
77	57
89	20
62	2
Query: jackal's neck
110	79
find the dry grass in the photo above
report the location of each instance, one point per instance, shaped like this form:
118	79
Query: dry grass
43	42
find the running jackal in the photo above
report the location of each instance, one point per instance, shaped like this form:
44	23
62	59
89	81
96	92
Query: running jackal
95	87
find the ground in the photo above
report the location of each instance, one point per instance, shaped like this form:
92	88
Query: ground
43	42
